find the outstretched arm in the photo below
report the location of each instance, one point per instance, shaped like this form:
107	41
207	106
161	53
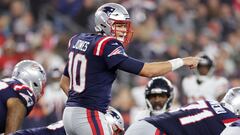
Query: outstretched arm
160	68
16	112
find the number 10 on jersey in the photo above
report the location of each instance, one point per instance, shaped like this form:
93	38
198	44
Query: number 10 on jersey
77	71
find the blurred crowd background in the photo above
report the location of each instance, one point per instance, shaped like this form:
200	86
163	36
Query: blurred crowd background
163	29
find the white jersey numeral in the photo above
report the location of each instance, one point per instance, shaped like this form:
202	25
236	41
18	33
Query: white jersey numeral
77	66
203	114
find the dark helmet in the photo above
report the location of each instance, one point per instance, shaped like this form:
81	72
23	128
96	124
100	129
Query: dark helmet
206	61
205	67
159	85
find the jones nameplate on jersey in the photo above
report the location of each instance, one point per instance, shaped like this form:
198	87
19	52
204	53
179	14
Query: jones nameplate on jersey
81	45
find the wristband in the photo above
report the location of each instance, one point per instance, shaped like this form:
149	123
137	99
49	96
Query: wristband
176	63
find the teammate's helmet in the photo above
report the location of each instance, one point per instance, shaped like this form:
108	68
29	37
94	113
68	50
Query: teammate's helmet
31	74
109	14
115	120
232	100
159	85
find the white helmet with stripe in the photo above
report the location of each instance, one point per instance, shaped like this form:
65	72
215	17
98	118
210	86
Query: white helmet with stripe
112	13
115	120
32	74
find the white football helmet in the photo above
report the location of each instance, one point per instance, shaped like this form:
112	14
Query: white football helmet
232	100
112	13
32	74
115	120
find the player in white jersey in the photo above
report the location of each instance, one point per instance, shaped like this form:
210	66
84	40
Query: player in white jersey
204	84
158	96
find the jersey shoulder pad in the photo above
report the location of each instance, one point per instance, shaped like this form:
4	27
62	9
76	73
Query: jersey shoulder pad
25	93
102	42
70	40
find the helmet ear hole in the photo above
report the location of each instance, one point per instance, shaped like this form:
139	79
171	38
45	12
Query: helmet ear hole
103	25
35	84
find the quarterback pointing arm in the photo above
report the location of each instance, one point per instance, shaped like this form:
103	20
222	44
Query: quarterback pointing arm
93	59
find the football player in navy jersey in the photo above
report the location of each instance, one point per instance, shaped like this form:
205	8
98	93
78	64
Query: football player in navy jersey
91	69
200	118
19	93
113	117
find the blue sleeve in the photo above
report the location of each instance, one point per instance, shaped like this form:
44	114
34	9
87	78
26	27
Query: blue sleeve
65	72
131	65
114	53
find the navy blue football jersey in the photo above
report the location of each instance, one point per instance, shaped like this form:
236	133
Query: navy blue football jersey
11	88
200	118
92	64
53	129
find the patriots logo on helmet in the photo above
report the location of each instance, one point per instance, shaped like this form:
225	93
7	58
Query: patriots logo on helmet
36	67
108	10
117	51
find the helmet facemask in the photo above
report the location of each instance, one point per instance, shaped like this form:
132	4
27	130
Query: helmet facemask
155	110
107	19
161	87
122	30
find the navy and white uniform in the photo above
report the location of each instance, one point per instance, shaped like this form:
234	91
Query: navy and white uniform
199	118
91	68
53	129
11	88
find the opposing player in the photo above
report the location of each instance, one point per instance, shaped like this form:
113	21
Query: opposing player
200	118
91	69
113	117
204	84
19	93
159	97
